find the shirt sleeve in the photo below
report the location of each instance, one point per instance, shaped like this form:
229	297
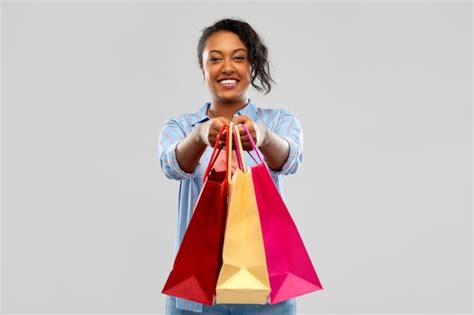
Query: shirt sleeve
289	128
171	134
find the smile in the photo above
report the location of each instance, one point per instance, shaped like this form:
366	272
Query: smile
228	83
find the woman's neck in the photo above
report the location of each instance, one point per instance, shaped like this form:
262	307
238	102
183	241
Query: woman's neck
227	110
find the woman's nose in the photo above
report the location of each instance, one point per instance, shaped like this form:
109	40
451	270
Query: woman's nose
227	66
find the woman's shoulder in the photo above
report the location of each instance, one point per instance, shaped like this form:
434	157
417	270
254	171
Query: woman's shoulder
274	110
188	119
275	113
276	117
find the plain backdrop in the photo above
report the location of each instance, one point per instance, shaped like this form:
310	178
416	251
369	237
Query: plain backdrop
382	200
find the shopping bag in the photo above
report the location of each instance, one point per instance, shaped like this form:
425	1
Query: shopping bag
290	269
199	258
243	277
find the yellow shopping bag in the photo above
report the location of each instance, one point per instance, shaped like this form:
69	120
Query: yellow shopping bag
243	278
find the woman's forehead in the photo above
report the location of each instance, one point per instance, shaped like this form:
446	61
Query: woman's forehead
224	42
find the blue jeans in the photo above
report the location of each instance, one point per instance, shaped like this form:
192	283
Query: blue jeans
284	308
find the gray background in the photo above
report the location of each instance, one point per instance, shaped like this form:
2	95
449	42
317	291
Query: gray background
382	201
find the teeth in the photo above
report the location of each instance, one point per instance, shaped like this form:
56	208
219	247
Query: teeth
229	81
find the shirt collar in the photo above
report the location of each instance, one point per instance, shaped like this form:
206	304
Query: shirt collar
201	114
249	110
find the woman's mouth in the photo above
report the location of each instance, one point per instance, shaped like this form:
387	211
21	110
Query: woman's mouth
228	83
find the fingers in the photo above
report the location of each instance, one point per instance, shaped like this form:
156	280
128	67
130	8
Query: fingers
250	126
215	125
220	121
245	137
224	120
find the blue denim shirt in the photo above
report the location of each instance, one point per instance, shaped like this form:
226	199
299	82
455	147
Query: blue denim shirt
281	121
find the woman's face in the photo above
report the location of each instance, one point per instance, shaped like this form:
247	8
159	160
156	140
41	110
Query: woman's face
225	56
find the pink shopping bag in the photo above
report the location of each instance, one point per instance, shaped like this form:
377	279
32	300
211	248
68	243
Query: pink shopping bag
290	269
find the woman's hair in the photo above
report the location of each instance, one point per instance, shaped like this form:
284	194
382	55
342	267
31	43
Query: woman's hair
257	51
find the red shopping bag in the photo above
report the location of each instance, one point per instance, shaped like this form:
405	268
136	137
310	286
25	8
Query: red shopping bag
199	258
290	269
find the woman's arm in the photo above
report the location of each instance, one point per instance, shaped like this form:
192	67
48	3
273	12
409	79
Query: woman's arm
275	149
190	150
282	149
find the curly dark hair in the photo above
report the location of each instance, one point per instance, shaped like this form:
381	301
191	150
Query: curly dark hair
257	51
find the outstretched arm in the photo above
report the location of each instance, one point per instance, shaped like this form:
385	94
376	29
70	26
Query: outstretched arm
282	148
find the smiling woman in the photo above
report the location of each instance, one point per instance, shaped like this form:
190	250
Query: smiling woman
232	58
226	70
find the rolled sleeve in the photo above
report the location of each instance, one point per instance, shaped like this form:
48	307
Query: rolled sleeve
289	128
170	136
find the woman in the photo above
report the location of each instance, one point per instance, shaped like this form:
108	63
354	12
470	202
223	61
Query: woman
232	57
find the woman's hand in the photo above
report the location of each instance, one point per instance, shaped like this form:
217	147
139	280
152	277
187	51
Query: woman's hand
209	131
258	132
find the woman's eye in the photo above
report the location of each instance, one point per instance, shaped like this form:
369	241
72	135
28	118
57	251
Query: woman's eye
215	59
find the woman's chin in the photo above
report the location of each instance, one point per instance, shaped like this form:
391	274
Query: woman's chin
230	99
